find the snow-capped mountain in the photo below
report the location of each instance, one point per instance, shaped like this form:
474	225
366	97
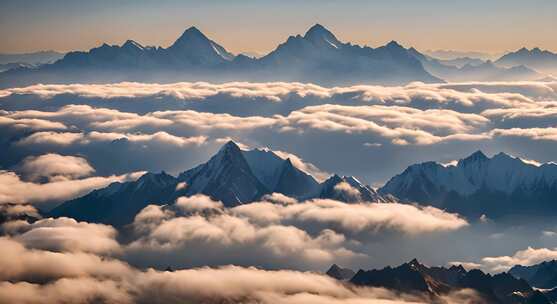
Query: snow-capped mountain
233	176
318	57
348	189
118	203
541	60
226	177
195	48
280	175
479	185
191	49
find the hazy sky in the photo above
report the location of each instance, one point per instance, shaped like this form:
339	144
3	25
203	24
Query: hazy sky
258	26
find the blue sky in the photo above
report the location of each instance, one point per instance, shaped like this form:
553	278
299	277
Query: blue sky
258	26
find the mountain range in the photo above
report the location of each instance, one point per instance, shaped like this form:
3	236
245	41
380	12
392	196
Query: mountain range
416	278
541	60
317	56
475	186
31	59
542	275
232	175
470	69
478	185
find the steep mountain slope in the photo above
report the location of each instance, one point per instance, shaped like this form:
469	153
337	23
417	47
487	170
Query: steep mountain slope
194	48
118	203
348	189
318	57
543	275
232	175
280	175
320	54
342	274
226	177
413	277
477	185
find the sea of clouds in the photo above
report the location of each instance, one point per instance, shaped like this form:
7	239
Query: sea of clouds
59	142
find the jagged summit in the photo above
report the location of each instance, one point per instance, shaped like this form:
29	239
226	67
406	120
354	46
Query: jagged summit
232	175
540	60
496	186
230	146
414	277
394	44
132	44
414	262
319	35
477	156
191	33
316	57
194	47
339	273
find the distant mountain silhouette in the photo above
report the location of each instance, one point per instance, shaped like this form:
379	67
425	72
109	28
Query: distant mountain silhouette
413	277
454	54
35	58
474	70
317	57
462	61
9	66
541	60
232	175
497	186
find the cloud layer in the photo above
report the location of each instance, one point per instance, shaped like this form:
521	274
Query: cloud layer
383	129
279	232
61	260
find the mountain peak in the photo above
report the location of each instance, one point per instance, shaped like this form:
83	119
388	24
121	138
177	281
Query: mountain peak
476	156
230	145
132	44
318	34
191	33
317	29
197	48
394	44
192	30
339	273
414	263
502	155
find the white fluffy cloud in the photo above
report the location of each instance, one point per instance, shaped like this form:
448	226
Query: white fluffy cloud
66	234
40	276
68	138
526	257
30	123
20	263
14	190
355	218
548	134
55	166
277	233
464	93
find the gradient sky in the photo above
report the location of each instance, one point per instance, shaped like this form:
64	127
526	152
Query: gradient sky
258	26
